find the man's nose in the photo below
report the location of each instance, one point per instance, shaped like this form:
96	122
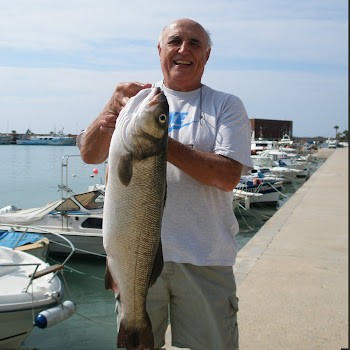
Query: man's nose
184	47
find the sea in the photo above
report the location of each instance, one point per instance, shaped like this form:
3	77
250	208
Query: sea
33	176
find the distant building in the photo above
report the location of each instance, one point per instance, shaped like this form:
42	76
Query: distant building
271	129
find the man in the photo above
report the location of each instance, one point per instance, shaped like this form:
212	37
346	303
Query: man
208	148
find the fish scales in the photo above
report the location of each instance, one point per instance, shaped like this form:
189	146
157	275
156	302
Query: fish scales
136	236
133	209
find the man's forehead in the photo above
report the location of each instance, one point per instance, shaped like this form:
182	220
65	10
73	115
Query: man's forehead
189	29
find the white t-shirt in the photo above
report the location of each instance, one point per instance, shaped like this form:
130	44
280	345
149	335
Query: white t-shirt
199	225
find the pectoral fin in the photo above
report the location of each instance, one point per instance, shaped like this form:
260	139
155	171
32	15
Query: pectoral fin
125	169
109	282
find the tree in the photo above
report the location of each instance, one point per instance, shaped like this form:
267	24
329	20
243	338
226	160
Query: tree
336	129
344	136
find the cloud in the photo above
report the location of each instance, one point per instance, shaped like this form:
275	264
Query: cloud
60	61
290	31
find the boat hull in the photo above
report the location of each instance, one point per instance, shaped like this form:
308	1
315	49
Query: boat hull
270	196
270	193
23	298
84	243
15	326
46	143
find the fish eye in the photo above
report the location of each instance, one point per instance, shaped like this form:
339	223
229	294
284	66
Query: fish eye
162	118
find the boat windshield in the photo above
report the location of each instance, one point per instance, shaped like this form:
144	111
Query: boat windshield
262	161
91	200
67	205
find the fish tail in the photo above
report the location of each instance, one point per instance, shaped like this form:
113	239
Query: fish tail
135	339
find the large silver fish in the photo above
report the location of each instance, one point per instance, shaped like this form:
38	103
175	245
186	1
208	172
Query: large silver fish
133	210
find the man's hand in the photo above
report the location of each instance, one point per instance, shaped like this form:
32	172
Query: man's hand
121	96
98	135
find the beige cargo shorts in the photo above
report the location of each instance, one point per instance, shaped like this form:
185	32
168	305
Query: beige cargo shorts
199	302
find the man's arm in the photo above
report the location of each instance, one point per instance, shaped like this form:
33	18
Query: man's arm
208	168
97	137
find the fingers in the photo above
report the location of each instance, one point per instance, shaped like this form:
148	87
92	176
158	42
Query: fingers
131	89
107	124
121	96
123	93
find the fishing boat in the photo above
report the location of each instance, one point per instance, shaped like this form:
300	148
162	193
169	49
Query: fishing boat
77	217
5	139
29	288
270	190
290	160
259	145
48	140
285	141
34	244
266	164
243	198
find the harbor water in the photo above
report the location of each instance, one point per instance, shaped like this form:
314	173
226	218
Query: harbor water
31	177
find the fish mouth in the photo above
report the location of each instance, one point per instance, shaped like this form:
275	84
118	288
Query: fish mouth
157	97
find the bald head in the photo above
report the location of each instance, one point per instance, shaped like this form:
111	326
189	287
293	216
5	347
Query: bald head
187	22
184	49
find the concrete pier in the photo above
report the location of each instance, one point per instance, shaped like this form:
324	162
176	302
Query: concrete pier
292	275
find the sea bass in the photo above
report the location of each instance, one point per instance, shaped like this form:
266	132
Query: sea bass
133	210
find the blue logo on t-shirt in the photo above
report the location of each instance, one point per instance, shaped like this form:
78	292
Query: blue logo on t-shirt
176	120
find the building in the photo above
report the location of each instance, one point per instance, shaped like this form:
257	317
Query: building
271	129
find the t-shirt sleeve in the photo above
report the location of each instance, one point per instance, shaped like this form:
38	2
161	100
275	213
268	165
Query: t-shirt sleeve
233	137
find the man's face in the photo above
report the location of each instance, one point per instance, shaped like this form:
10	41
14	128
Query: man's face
183	55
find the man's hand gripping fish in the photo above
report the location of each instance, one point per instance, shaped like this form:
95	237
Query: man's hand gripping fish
133	210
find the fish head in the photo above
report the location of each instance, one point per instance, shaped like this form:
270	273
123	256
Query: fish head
151	124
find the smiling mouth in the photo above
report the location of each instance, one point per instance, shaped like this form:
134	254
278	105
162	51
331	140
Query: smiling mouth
182	62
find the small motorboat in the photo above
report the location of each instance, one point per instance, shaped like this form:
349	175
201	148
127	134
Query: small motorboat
78	217
31	243
28	286
270	190
243	198
261	163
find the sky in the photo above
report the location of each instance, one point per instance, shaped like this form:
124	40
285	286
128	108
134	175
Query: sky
60	61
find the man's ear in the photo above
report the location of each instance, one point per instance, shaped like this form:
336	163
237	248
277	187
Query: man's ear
207	55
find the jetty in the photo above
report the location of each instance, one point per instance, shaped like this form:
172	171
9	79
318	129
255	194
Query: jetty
292	276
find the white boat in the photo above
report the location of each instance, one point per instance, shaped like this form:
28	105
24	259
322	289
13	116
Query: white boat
259	145
265	162
285	141
28	286
289	160
34	244
5	139
265	174
77	217
243	198
51	140
270	190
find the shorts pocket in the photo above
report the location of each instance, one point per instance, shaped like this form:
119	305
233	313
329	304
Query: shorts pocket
234	302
